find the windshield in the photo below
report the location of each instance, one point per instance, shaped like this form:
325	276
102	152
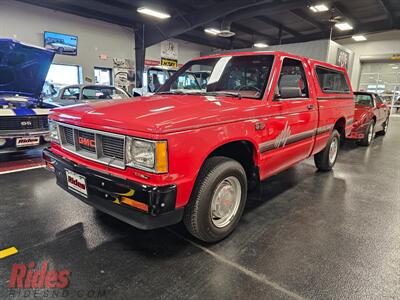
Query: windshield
105	93
364	100
242	76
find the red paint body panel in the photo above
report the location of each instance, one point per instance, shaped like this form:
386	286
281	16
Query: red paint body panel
194	126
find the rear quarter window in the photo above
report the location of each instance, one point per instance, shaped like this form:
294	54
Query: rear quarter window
332	81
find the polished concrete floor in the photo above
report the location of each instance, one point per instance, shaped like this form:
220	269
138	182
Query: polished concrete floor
305	235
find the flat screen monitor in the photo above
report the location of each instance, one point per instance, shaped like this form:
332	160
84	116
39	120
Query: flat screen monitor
61	43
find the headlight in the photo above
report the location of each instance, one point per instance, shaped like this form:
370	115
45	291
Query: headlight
148	155
53	128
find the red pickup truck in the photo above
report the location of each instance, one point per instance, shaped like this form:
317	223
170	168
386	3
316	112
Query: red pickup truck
192	151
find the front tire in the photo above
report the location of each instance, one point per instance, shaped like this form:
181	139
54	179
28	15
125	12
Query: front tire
326	159
218	199
369	135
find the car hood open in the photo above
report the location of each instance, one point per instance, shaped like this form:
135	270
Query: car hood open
23	68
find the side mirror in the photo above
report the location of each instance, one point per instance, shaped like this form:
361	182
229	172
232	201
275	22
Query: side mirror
287	92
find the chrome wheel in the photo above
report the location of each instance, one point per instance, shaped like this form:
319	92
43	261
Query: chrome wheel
333	150
370	133
225	202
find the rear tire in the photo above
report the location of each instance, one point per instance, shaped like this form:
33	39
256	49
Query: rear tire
218	199
369	135
326	159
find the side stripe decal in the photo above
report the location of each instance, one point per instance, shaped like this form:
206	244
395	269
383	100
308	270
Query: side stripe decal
280	142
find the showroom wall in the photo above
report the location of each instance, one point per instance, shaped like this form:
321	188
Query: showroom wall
378	47
186	51
94	37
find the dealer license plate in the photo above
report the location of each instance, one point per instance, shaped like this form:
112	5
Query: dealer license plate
76	183
27	141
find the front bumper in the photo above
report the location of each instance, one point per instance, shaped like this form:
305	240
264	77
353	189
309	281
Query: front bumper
107	193
11	138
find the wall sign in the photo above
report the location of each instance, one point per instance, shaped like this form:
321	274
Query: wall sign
169	50
342	58
166	62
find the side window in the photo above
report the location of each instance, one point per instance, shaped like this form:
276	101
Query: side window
378	99
71	93
332	81
292	81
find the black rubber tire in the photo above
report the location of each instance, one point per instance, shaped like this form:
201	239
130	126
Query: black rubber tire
385	128
365	142
321	159
197	217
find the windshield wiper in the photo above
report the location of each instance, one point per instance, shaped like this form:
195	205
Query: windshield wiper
231	94
171	93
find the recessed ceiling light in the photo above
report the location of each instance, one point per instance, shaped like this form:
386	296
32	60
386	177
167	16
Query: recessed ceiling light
212	31
260	45
343	26
319	8
153	13
359	38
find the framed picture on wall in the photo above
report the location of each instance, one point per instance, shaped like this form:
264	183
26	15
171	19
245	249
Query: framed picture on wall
61	43
342	58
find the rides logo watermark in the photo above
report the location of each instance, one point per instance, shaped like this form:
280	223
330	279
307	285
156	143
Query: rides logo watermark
39	281
24	276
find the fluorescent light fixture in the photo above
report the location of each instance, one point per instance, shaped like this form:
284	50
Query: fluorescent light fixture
395	68
319	8
212	31
153	13
343	26
260	45
359	38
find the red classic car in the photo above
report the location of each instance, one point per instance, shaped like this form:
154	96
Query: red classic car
371	116
191	151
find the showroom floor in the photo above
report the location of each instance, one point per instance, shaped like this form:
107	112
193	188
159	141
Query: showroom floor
306	235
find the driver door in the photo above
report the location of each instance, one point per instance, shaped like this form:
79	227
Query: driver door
293	118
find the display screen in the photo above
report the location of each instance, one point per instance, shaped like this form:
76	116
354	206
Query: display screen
61	43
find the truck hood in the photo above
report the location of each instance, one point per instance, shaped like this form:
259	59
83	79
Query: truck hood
159	113
23	68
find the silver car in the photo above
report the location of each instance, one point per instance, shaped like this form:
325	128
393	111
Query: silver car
83	93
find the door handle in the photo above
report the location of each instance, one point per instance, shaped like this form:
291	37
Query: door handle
310	106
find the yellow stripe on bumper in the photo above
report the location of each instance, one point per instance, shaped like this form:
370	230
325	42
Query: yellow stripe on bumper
8	252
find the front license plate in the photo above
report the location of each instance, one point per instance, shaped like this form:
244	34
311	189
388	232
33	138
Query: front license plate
27	141
76	183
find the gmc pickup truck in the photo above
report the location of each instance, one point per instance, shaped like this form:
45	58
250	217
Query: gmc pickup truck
192	151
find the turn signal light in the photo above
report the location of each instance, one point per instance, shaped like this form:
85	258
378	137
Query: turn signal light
161	157
135	204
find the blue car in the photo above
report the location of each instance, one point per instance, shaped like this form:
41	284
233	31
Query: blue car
23	117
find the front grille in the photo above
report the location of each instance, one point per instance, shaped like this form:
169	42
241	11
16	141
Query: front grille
112	147
69	135
24	123
86	136
108	148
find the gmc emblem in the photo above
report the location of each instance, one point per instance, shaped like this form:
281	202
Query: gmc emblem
26	123
87	142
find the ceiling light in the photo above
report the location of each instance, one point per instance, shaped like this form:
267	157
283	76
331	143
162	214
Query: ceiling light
212	31
343	26
359	38
319	8
153	13
260	45
395	68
